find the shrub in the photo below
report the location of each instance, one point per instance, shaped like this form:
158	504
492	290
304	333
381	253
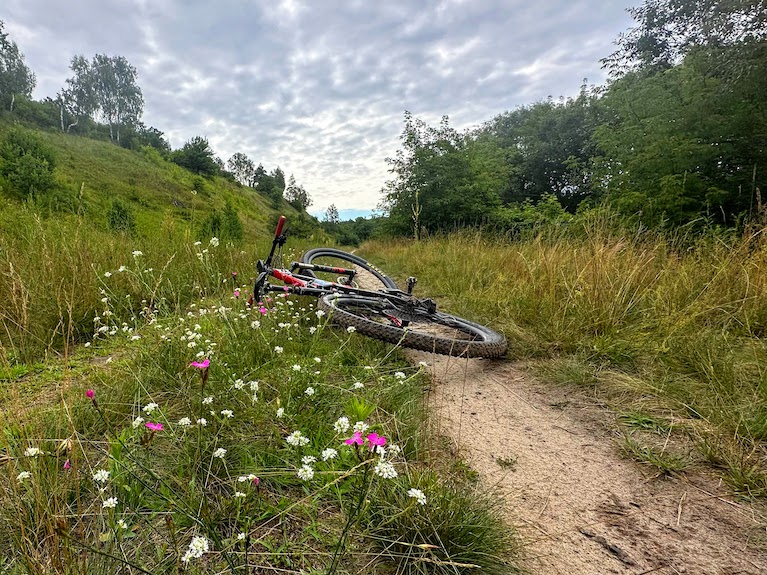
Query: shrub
26	164
120	218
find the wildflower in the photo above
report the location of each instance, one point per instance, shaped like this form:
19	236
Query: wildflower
135	337
341	425
101	475
305	473
122	269
278	349
67	465
90	394
122	524
361	426
262	309
208	400
280	413
202	422
137	253
153	426
236	293
228	413
23	475
309	391
239	384
399	375
253	386
239	494
308	459
375	440
198	243
319	313
220	453
150	407
385	469
318	359
201	364
351	329
110	503
214	241
358	385
423	364
107	274
185	422
87	344
355	438
312	329
254	479
32	452
296	367
137	422
296	439
418	495
197	547
241	536
328	454
255	324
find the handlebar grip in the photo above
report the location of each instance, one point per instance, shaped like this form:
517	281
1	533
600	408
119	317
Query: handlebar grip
280	224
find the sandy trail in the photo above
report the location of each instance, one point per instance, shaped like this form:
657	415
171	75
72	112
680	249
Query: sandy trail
581	508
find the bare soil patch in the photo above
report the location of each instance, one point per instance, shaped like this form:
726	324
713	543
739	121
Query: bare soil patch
579	506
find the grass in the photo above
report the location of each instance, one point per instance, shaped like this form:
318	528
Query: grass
669	329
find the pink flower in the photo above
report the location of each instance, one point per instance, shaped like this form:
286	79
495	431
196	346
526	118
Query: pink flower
67	465
262	309
201	364
90	394
256	481
236	293
375	440
356	438
234	274
154	426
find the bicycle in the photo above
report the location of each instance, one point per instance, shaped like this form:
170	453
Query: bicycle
365	298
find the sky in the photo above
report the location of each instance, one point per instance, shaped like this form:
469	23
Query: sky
319	88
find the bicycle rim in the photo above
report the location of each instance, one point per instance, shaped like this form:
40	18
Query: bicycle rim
380	318
368	276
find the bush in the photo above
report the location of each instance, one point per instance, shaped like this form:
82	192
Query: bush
26	164
120	218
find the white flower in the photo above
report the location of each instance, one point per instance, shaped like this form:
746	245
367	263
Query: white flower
202	422
253	386
318	359
239	384
351	329
122	269
135	337
319	313
198	243
241	536
280	413
137	253
23	475
227	413
87	344
137	422
122	524
312	329
239	494
385	469
342	425
399	375
361	426
296	439
107	274
278	349
208	400
197	547
394	449
220	453
110	503
305	473
185	422
101	475
255	324
296	367
308	459
358	385
418	495
150	407
309	391
32	452
423	364
329	453
214	241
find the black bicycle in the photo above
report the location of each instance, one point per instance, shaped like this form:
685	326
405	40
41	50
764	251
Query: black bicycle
358	294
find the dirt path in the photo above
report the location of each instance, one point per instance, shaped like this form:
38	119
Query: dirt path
581	508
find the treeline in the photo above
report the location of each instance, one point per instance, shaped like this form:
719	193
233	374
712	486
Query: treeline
677	136
102	100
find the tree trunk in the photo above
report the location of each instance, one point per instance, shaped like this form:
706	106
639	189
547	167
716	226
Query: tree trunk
13	99
70	126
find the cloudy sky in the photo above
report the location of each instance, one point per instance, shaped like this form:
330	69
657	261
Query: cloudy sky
319	87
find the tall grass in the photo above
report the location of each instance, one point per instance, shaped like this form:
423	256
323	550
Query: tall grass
677	327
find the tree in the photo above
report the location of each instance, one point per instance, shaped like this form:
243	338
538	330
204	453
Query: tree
242	168
296	195
331	214
16	79
78	98
196	156
119	99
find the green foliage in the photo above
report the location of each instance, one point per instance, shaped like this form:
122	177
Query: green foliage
120	218
224	225
196	156
16	79
27	164
297	196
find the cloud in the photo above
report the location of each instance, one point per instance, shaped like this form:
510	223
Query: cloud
319	88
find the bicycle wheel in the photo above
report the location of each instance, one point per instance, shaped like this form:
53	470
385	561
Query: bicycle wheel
383	318
367	277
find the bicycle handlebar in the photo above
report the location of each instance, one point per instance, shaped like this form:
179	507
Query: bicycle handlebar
280	224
